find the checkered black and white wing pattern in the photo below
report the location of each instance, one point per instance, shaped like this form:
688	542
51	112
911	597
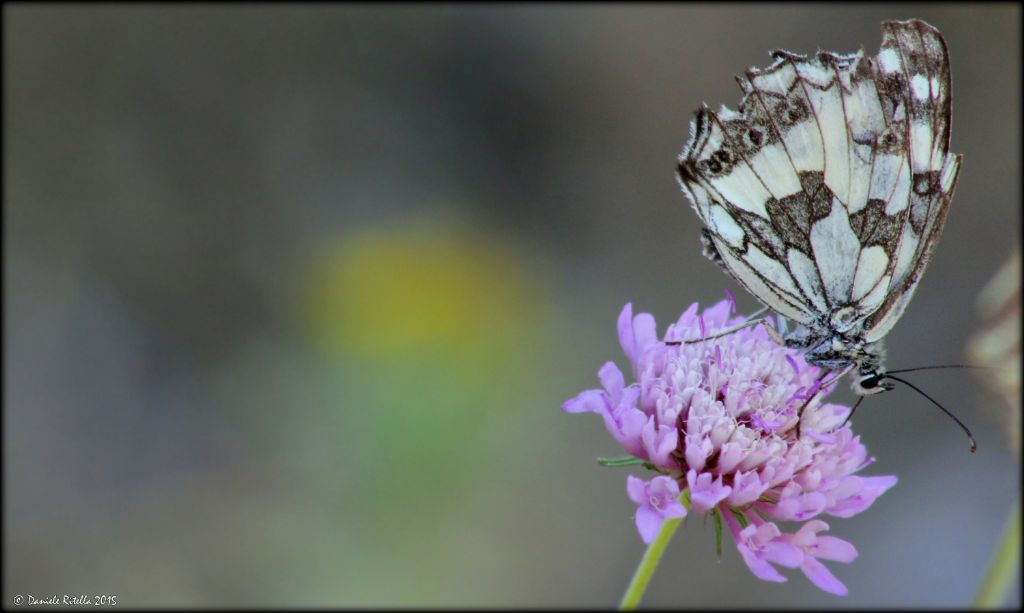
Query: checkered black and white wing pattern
827	191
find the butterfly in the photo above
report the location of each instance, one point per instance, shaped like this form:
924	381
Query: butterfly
825	194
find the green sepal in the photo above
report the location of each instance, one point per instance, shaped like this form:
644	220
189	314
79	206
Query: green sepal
717	517
685	498
627	460
740	518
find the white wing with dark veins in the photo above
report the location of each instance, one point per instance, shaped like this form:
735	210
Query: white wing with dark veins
829	188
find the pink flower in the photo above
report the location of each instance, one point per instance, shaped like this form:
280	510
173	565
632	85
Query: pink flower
658	500
762	546
705	493
826	548
718	420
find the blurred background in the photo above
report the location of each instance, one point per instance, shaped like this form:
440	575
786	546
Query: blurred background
293	295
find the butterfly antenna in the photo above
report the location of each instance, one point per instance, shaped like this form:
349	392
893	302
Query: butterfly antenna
941	366
974	444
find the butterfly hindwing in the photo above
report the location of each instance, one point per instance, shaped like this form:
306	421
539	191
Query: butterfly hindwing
913	66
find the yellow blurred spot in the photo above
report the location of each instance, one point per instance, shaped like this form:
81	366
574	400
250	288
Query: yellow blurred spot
419	292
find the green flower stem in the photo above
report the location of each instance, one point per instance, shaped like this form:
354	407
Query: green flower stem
1003	568
644	572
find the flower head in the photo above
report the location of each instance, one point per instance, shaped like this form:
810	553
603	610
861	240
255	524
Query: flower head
718	421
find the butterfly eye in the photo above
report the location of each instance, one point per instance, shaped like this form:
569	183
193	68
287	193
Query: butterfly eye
873	382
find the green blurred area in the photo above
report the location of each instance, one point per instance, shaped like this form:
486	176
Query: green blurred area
293	295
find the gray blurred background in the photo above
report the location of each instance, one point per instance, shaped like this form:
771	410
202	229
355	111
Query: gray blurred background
293	295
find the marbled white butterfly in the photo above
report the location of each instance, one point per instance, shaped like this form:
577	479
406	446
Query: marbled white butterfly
826	193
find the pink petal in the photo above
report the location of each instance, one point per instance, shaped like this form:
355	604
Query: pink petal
761	568
799	508
879	485
732	454
784	554
871	488
663	487
717	315
807	535
666	490
848	486
772	545
625	325
762	534
746	487
689	316
625	424
822	577
835	549
698	448
645	331
648	522
659	443
675	511
590	401
812	503
629	396
821	438
636	489
705	493
612	380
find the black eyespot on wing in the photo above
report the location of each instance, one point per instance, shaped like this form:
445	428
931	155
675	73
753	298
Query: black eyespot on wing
891	139
925	182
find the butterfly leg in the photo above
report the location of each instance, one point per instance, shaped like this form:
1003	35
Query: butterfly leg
817	388
753	320
850	414
772	332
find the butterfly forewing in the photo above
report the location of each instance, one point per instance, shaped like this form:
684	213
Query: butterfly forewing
826	193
